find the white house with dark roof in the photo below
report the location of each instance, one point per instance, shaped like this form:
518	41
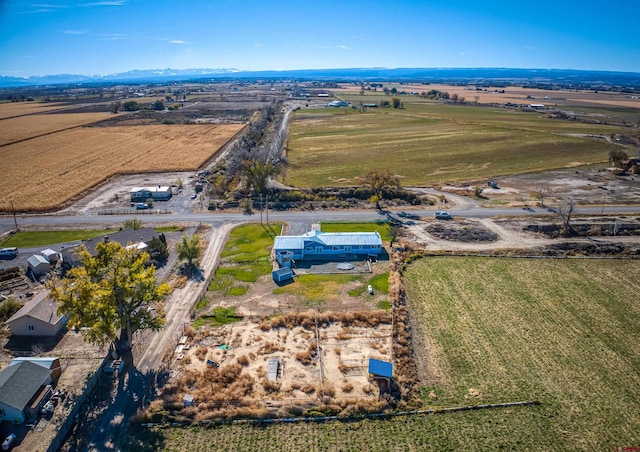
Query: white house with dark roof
22	386
317	245
38	317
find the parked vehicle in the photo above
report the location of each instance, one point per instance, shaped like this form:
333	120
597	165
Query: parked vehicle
443	215
8	253
142	205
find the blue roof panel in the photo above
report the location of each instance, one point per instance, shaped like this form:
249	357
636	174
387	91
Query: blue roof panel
380	368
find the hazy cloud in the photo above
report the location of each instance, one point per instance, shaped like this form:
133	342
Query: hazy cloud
116	36
177	41
74	32
107	3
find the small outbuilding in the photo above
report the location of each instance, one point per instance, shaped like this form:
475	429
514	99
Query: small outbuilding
273	365
39	265
51	256
381	372
282	274
188	400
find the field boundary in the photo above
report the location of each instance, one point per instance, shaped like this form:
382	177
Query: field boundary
320	419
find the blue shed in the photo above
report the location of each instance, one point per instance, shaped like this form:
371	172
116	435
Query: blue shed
282	274
380	369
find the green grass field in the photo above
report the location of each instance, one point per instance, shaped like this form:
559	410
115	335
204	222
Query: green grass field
427	143
244	259
564	332
26	239
383	228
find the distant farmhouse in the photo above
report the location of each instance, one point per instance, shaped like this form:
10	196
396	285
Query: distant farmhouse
137	237
317	245
159	193
338	103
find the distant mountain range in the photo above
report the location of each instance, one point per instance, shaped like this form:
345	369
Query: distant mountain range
564	77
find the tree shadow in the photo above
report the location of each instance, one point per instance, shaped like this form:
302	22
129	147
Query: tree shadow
34	345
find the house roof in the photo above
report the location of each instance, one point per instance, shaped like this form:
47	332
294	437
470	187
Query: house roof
327	239
123	237
19	383
36	260
380	368
40	307
159	188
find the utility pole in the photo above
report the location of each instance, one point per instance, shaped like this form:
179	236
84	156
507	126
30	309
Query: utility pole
267	208
14	216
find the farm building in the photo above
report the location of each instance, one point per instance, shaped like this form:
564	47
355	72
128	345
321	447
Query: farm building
159	193
24	387
38	264
282	274
126	237
273	365
338	103
38	317
50	255
317	245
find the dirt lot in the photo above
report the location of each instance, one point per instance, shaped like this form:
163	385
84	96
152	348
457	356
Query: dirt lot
340	368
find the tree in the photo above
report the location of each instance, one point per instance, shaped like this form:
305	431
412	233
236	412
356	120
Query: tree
396	102
258	173
189	250
540	194
379	181
158	105
133	223
564	211
157	249
131	105
116	106
617	155
111	296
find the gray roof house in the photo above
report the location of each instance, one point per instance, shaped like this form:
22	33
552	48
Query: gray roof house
21	386
38	317
317	245
123	237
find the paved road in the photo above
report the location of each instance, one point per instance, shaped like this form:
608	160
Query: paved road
7	222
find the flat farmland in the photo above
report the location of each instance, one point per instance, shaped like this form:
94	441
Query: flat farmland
45	172
564	332
428	143
11	109
31	126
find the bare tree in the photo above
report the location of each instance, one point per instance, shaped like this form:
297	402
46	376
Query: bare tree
541	193
565	211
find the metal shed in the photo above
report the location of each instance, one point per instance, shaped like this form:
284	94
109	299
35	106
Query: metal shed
282	274
38	264
273	365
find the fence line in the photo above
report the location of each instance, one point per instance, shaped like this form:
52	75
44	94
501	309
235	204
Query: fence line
320	419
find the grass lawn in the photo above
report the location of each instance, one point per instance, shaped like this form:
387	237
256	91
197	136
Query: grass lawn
427	143
317	290
564	332
28	239
384	228
220	316
245	258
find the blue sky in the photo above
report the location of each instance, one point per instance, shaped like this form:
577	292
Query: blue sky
101	37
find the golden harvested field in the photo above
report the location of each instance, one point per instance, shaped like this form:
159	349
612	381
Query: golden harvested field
47	171
11	109
514	94
31	126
